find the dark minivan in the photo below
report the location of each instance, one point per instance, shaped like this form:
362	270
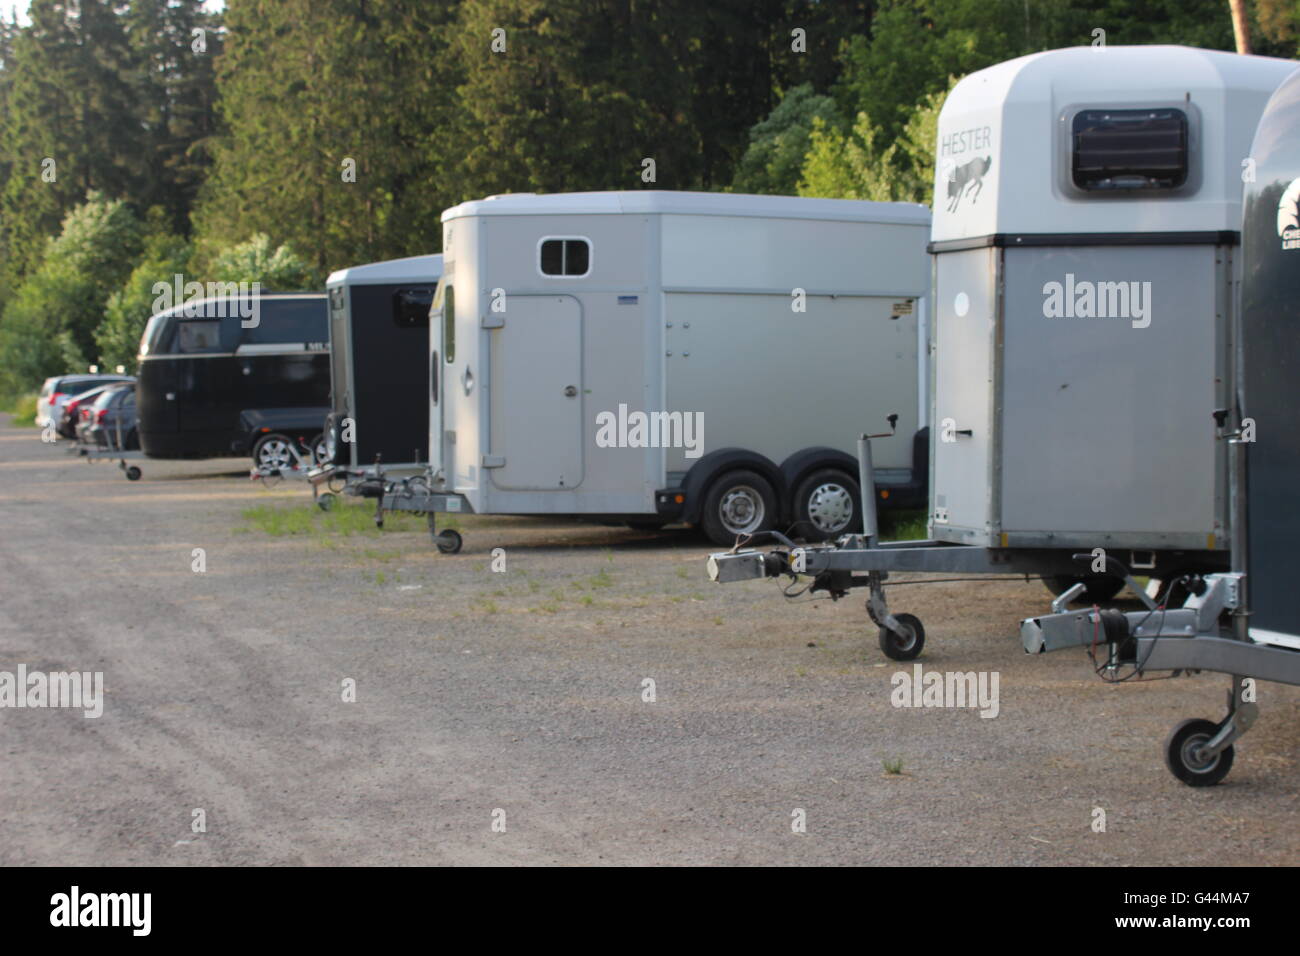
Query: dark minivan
205	363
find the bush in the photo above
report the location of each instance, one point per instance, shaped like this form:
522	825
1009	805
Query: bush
24	409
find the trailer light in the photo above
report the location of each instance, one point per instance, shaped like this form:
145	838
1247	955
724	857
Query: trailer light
264	429
679	498
884	492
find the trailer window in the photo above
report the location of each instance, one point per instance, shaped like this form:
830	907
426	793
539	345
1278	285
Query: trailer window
1129	149
449	321
565	257
411	307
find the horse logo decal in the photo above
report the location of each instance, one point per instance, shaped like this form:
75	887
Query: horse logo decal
1288	216
967	180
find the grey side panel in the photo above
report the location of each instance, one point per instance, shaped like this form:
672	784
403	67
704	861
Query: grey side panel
773	381
1107	418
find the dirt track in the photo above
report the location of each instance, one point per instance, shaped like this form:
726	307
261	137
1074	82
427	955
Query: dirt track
522	691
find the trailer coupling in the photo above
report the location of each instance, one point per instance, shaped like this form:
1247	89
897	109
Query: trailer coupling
728	566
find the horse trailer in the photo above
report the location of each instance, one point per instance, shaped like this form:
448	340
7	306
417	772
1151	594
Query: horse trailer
1245	623
379	364
1088	207
660	357
205	362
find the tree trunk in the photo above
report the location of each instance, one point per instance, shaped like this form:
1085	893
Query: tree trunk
1240	28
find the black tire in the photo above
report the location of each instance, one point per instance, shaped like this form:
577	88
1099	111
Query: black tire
827	504
133	473
1181	759
1101	587
272	451
448	541
905	646
326	501
730	499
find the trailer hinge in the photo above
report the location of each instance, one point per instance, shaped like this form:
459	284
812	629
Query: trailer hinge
492	320
493	461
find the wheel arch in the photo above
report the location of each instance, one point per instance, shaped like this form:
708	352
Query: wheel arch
715	464
804	462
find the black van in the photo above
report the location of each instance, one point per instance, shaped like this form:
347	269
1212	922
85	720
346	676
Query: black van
205	363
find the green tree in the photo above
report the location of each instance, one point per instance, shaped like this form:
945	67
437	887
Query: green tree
128	310
277	268
857	164
49	325
174	45
779	143
70	126
332	110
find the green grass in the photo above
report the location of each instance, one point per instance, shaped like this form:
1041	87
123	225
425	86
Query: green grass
905	525
24	409
346	518
893	765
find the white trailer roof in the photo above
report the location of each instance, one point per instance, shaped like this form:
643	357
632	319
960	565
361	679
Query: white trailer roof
656	201
1003	149
410	269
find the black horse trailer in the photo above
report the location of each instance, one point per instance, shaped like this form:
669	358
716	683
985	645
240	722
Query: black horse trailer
379	358
204	363
1246	622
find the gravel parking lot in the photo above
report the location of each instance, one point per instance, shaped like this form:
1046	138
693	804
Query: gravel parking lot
522	691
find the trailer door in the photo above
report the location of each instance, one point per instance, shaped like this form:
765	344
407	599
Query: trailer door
964	394
536	395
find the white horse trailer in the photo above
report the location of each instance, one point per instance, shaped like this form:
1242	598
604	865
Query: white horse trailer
612	356
1087	208
1245	623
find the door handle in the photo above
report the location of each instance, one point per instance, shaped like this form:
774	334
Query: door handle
570	391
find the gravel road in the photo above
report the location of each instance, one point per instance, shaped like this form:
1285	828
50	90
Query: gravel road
517	696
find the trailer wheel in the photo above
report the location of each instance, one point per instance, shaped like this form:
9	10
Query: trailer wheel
739	502
1184	760
326	501
828	504
273	451
133	473
904	645
318	449
1101	587
448	541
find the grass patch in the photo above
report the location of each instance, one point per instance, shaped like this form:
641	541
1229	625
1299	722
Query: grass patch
903	525
893	766
345	519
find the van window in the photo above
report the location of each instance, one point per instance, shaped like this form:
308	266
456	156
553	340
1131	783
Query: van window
565	257
287	321
152	341
1117	150
198	335
449	322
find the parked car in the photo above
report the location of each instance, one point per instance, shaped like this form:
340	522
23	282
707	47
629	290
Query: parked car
111	421
66	417
60	388
270	433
